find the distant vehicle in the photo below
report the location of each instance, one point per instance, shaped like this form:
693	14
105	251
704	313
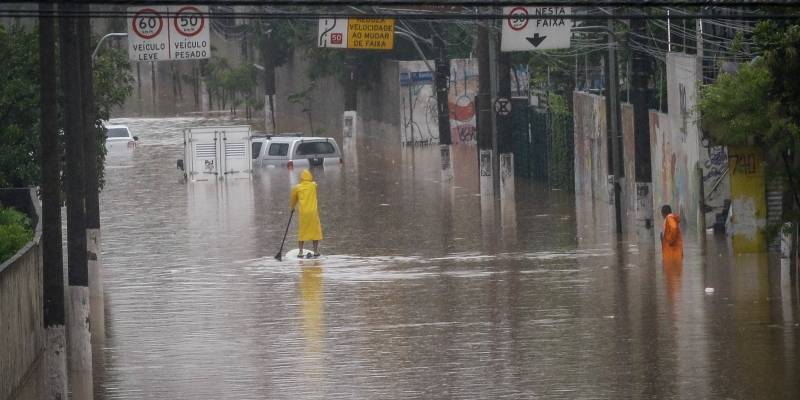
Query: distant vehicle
294	151
119	136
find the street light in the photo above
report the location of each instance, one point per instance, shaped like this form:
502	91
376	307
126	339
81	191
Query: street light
112	34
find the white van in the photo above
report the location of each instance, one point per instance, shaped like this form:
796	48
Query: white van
292	151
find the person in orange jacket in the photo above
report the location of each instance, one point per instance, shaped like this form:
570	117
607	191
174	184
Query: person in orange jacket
671	239
304	198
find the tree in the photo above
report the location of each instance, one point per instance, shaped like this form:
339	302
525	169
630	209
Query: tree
19	102
19	107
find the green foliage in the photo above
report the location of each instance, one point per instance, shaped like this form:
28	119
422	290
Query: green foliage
113	81
15	232
734	108
19	102
19	107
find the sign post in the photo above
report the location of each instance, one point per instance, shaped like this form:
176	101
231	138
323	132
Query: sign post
536	28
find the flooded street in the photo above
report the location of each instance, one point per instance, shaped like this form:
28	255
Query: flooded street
415	297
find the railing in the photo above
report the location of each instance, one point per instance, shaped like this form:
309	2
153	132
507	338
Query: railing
21	308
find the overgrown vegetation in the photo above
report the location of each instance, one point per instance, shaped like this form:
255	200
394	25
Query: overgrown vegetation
760	104
15	232
19	102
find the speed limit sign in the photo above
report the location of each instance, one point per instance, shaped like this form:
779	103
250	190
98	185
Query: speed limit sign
168	33
190	40
148	39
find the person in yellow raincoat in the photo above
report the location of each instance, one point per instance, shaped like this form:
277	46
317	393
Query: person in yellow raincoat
304	199
671	239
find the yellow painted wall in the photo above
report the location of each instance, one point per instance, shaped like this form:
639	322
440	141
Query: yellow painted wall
748	199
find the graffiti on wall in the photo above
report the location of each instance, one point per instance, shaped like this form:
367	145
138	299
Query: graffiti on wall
716	185
419	115
461	100
418	112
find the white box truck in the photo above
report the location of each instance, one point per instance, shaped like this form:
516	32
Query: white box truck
216	152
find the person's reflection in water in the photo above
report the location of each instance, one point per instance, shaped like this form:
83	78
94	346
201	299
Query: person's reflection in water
312	312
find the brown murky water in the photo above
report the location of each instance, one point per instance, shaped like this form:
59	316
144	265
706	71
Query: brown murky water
415	297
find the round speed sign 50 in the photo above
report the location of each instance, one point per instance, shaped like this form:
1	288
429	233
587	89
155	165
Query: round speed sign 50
518	18
189	21
147	23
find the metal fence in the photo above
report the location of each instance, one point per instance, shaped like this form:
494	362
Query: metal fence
543	145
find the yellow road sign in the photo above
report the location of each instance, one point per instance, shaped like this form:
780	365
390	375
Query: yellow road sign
370	33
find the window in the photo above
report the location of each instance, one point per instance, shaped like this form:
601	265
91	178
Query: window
118	132
256	149
279	149
314	148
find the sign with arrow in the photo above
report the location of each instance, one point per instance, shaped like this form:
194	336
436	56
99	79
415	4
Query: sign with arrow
536	28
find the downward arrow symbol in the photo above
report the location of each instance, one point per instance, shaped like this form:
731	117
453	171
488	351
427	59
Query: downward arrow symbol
536	40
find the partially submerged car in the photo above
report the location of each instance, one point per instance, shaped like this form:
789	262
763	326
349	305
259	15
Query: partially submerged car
119	136
296	151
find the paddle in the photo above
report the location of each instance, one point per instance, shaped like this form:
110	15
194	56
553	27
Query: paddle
280	252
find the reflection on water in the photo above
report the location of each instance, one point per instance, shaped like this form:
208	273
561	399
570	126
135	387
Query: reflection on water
416	297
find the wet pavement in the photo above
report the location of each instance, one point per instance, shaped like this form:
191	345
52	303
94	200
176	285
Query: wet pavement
415	296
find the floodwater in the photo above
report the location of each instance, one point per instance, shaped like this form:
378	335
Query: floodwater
416	295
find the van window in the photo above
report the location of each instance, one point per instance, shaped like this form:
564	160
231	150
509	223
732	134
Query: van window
314	148
279	149
256	149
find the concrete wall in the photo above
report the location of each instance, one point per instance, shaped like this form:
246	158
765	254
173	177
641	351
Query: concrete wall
21	308
378	104
748	200
681	159
591	148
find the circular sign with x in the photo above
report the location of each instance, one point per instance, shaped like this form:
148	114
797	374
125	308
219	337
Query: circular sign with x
502	106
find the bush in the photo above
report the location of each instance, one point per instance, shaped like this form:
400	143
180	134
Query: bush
15	232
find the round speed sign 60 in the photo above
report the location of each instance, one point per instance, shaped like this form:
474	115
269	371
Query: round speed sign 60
147	23
189	21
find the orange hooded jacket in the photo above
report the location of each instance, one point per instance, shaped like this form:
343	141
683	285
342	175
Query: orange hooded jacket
672	241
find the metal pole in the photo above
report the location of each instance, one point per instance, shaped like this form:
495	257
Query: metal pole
614	132
97	48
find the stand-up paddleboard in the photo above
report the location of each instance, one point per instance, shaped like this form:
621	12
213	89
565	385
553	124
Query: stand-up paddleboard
308	255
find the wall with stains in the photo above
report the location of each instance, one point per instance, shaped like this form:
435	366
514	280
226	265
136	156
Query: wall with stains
591	148
748	199
676	144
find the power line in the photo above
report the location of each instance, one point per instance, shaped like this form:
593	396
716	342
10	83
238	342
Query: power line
24	13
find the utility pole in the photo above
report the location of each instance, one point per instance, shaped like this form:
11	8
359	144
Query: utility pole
52	255
505	146
640	67
268	59
612	101
350	89
442	90
91	140
484	105
79	347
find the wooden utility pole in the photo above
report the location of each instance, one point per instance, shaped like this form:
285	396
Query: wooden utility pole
52	255
484	105
268	59
92	139
350	88
443	108
640	67
79	347
612	99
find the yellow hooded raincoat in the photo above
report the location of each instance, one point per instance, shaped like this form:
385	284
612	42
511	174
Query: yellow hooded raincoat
304	199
